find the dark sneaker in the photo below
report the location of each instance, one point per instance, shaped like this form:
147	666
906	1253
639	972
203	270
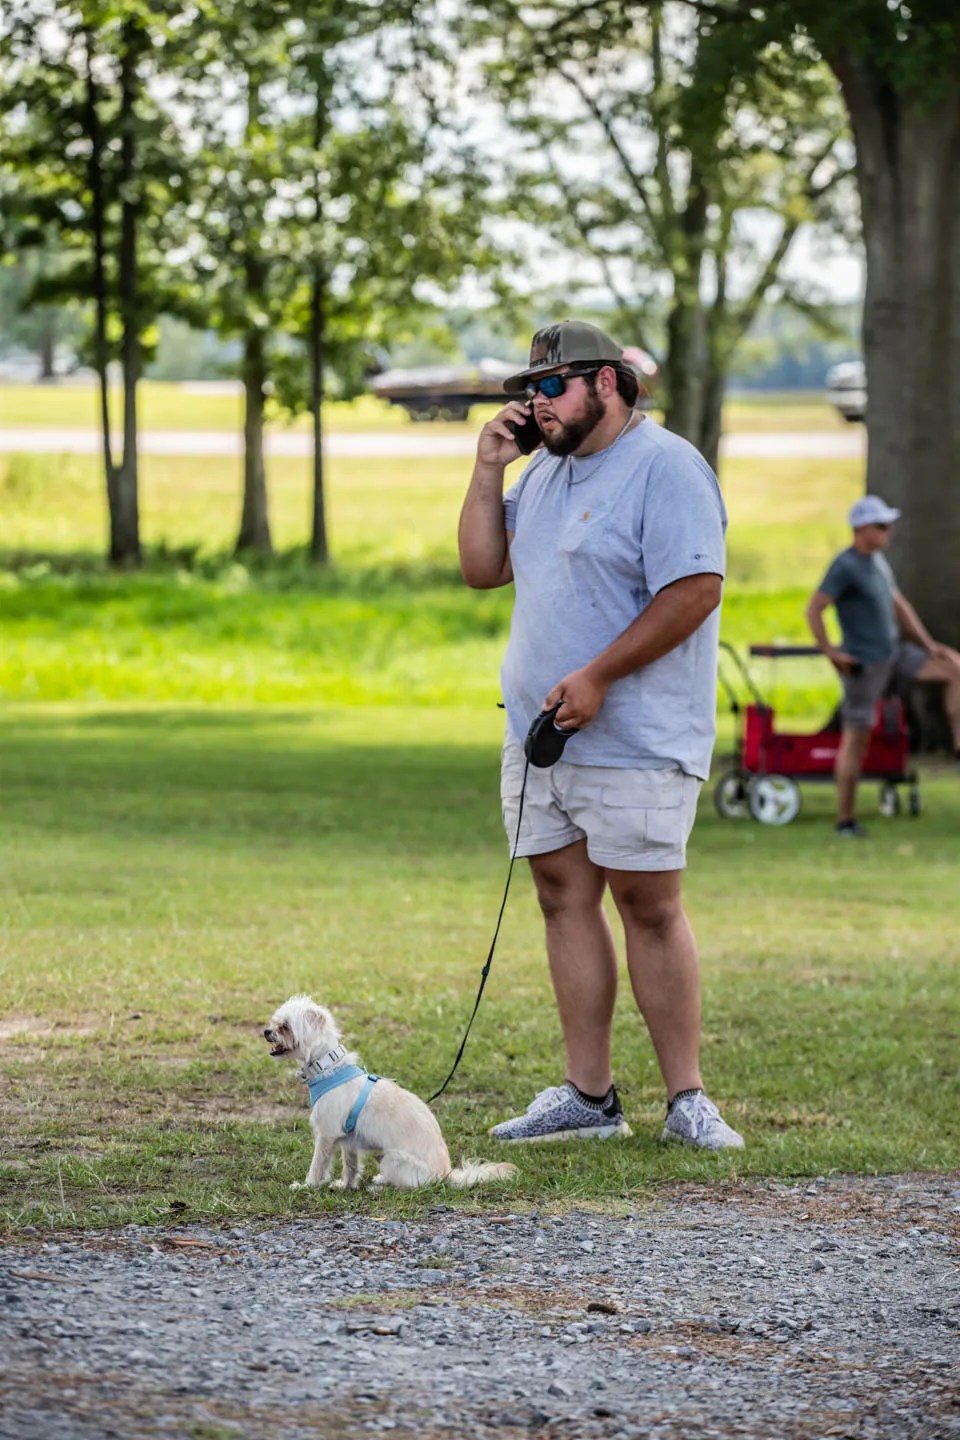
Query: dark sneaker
851	830
559	1114
695	1120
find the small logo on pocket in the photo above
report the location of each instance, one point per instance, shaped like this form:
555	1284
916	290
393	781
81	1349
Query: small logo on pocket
585	515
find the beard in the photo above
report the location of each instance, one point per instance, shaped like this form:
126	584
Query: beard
570	435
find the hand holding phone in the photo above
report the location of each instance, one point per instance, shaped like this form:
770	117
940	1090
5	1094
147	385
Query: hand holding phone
528	435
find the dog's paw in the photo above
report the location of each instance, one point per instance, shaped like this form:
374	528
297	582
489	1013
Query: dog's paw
301	1185
338	1185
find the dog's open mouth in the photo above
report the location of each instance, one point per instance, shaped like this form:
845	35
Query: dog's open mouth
277	1051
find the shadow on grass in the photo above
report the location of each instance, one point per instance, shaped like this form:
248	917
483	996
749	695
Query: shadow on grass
245	778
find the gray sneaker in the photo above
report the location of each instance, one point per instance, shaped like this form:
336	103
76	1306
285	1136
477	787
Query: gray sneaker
695	1120
559	1114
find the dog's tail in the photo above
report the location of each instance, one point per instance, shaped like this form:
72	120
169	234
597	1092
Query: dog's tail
479	1172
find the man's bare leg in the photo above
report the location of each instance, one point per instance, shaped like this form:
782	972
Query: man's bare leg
847	770
945	669
583	960
664	969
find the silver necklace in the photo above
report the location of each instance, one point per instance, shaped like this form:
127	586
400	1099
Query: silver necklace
579	479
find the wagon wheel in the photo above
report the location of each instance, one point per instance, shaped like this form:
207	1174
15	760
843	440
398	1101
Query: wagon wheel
889	799
730	796
773	799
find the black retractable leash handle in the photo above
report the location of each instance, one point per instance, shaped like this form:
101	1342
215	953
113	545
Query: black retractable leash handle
542	747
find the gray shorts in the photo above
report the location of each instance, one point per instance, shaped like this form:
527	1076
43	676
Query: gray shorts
630	819
862	691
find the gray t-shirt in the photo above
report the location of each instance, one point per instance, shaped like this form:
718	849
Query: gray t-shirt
862	589
595	539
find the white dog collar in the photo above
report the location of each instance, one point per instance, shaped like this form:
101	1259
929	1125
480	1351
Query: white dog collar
313	1069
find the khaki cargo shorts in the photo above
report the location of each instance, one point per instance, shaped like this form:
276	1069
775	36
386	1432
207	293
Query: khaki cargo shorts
630	819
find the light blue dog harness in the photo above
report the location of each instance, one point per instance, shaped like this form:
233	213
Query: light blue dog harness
325	1080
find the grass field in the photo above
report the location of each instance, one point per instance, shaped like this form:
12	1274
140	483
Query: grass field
220	785
391	623
164	406
168	876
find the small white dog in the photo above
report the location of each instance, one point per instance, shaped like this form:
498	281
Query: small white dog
363	1113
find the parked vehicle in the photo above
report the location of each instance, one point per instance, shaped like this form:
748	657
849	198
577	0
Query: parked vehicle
446	392
847	389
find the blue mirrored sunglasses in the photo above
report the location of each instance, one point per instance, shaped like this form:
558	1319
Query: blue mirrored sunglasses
552	385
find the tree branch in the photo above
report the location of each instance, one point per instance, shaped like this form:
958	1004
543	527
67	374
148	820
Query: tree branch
634	178
742	318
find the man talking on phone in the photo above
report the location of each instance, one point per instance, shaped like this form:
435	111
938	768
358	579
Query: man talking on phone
613	538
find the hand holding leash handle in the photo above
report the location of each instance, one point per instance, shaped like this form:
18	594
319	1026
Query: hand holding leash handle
545	739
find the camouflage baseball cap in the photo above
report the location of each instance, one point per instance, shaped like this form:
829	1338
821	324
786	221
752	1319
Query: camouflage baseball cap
571	342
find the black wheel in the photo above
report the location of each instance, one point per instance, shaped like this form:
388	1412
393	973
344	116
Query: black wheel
889	800
916	804
730	796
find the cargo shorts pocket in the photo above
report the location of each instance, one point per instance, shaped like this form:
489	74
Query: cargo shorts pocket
646	807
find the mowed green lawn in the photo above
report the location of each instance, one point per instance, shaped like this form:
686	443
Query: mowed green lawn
167	406
390	623
221	786
169	876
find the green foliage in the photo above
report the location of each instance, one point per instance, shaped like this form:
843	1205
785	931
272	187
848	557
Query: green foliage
48	51
915	46
692	128
332	190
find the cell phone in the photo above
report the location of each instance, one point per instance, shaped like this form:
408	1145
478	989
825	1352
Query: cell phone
528	434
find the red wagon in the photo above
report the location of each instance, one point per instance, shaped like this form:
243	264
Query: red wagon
769	764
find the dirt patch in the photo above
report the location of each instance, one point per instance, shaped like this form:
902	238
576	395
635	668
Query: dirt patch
888	1212
15	1025
24	1025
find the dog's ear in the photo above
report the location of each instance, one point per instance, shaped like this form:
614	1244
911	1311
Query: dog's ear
324	1023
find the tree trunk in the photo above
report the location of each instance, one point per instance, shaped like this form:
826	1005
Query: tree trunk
319	551
711	415
684	365
254	523
908	166
686	326
125	527
47	349
101	354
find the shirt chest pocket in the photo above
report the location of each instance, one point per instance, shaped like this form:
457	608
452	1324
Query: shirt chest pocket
584	529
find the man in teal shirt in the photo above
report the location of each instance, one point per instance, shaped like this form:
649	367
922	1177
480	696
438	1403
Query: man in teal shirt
883	639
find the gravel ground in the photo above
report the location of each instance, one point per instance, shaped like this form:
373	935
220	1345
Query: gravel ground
827	1308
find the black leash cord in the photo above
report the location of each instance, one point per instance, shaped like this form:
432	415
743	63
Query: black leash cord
493	943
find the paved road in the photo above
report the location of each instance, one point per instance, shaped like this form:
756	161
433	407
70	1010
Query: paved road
849	444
